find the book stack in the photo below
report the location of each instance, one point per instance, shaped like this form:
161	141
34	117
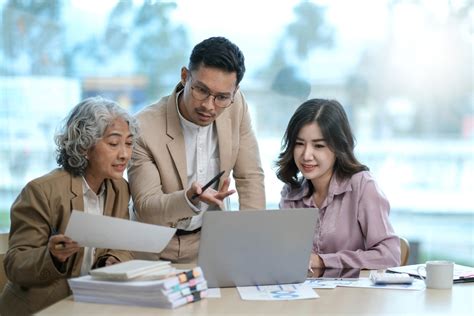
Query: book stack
140	283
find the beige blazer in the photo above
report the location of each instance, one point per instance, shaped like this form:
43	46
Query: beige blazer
45	203
158	170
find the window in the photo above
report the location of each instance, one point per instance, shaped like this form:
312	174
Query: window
402	69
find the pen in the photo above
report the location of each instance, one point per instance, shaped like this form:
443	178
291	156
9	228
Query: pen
60	245
207	185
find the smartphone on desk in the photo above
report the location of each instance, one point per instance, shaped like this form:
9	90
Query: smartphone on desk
349	274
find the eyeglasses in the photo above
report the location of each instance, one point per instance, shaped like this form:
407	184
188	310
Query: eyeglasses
220	100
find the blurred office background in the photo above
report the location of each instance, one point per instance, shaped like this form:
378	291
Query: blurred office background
403	69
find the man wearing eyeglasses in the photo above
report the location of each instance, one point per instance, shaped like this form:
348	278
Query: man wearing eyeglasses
187	138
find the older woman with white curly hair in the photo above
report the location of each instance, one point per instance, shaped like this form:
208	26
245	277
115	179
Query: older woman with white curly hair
93	149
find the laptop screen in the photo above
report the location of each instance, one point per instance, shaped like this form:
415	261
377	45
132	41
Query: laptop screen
257	247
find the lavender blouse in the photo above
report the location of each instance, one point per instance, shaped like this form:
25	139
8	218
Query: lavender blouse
353	229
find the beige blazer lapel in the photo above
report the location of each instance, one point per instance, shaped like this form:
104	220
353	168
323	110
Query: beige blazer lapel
109	198
176	145
77	202
224	135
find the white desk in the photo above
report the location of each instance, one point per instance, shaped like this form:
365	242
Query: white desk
342	301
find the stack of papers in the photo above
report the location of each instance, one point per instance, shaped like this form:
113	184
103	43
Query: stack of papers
151	288
461	274
135	269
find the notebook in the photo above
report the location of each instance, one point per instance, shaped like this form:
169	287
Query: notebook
131	269
257	247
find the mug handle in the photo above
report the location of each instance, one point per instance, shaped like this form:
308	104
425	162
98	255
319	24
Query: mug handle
419	274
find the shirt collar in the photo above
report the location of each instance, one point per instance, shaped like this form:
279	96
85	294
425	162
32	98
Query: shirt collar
87	189
301	194
338	186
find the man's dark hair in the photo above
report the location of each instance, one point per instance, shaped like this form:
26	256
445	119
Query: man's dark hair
220	53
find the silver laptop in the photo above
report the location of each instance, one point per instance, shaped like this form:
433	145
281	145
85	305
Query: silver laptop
256	247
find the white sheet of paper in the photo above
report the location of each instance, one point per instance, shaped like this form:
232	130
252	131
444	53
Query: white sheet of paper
115	233
325	284
417	285
283	292
214	292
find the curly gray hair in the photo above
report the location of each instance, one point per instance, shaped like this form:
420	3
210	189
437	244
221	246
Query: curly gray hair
84	127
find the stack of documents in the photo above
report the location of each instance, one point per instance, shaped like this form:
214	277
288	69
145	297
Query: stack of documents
461	274
135	269
141	283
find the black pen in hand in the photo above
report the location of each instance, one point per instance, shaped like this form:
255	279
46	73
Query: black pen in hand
207	185
60	245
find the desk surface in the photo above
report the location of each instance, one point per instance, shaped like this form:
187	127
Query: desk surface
341	300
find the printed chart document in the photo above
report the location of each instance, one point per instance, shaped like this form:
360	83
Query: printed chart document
283	292
115	233
325	284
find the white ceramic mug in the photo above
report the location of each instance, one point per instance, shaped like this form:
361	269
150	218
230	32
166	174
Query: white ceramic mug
439	274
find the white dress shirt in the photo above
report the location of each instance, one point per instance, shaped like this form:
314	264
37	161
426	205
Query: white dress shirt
93	204
202	160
